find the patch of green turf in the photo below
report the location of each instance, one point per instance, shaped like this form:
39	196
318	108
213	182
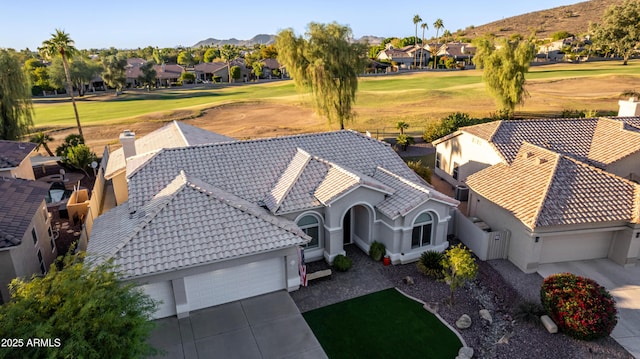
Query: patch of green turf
385	324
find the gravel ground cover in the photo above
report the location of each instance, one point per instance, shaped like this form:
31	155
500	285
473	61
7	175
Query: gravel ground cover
499	288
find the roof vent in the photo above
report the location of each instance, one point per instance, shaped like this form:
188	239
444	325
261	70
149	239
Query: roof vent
528	155
541	160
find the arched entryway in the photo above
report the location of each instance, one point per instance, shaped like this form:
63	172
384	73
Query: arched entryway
357	226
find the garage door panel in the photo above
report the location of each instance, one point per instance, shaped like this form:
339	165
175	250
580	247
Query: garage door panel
575	247
161	291
234	283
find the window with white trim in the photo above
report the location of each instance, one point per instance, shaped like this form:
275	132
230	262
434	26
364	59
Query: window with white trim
422	231
438	160
311	226
34	235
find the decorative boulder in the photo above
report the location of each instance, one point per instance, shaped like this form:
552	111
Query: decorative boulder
464	322
549	324
484	314
465	353
408	280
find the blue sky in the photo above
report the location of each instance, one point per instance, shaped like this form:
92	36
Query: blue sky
133	24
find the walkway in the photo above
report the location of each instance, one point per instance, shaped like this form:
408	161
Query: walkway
364	277
623	284
267	326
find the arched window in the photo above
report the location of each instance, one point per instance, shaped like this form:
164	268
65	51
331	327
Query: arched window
311	226
422	228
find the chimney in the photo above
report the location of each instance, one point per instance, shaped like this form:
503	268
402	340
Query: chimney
128	140
630	108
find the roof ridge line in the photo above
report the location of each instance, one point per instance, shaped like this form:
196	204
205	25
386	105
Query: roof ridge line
240	204
557	157
144	221
292	183
406	181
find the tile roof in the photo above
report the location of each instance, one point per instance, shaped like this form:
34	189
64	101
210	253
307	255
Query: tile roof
12	153
175	134
187	223
585	139
407	194
210	67
21	199
543	188
253	170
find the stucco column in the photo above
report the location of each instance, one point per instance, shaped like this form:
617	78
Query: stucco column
180	297
292	269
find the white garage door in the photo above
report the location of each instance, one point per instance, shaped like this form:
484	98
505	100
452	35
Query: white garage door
576	247
239	282
161	291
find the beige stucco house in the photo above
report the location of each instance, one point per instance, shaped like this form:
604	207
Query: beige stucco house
206	224
15	159
27	244
562	189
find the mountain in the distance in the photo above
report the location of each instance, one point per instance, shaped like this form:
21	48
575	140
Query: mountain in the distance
265	39
262	39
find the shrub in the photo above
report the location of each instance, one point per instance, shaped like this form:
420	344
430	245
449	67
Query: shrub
422	171
404	141
377	251
430	264
71	140
528	312
579	306
341	263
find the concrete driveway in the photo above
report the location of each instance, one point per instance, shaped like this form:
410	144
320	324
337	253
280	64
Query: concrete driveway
623	284
267	326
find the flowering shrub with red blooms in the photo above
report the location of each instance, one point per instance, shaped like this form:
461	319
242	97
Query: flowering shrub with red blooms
579	306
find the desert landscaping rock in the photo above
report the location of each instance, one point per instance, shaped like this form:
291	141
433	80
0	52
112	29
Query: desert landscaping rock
484	314
464	322
465	353
409	280
549	324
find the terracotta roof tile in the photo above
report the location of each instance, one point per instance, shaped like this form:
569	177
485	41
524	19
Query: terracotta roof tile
543	188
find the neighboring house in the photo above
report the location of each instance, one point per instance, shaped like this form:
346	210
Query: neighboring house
403	57
27	245
15	159
245	73
207	71
168	74
564	189
270	65
462	53
208	224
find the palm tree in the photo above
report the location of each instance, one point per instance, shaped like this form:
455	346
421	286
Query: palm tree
401	125
41	139
447	36
424	26
438	24
61	44
416	20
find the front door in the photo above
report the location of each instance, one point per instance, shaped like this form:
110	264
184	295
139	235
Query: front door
346	228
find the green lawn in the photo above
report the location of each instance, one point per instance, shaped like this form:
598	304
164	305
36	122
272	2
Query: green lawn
385	324
380	100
